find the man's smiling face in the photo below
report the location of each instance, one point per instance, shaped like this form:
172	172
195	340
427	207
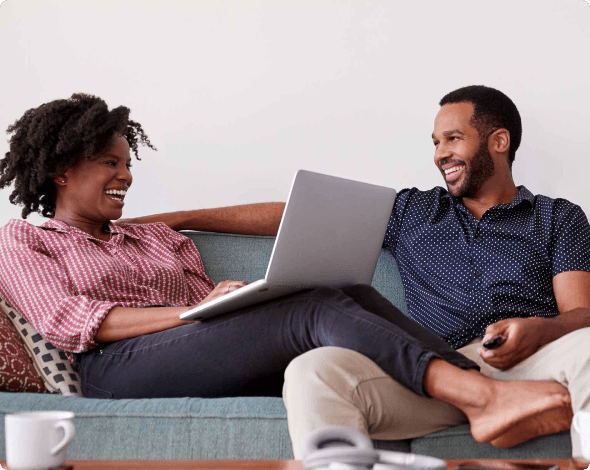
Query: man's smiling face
462	157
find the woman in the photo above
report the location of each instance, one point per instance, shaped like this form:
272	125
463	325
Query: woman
111	294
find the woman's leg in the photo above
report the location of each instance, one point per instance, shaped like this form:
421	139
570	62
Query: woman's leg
232	354
372	301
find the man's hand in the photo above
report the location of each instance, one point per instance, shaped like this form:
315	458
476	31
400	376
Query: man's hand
521	339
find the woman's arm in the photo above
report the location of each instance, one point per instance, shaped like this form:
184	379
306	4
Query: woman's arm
126	322
249	219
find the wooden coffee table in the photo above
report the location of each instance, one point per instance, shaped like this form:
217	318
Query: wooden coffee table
564	464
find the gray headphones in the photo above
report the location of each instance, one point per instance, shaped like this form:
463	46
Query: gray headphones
344	448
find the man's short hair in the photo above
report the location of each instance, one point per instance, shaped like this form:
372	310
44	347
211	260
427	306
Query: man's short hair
492	110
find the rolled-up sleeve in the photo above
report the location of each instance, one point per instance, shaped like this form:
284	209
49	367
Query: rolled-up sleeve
39	288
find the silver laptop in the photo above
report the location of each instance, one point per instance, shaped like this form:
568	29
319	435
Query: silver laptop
330	235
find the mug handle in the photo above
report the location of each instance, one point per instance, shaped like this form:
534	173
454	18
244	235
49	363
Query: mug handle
68	428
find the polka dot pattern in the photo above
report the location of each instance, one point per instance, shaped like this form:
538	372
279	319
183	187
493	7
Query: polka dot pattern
64	281
461	274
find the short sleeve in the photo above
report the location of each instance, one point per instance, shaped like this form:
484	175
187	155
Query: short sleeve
395	220
571	239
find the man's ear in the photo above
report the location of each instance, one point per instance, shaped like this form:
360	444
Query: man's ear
500	140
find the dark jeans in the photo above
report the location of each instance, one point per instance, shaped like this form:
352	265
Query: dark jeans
246	353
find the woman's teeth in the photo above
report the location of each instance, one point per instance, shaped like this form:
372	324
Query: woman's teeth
116	192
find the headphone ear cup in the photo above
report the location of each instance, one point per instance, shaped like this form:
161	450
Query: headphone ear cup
346	446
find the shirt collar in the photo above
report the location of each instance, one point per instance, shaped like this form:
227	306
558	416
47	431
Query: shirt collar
59	226
523	195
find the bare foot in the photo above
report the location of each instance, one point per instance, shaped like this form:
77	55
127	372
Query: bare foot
547	422
513	407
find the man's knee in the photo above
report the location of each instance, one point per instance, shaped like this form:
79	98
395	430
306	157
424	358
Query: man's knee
334	367
578	340
575	349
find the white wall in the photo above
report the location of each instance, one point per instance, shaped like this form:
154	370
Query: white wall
238	94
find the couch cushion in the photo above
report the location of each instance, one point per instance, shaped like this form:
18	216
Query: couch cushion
169	428
52	364
17	373
245	258
457	443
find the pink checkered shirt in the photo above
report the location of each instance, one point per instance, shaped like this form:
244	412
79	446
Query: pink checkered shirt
64	281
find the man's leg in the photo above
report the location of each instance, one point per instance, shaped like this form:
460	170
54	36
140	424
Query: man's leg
330	385
565	360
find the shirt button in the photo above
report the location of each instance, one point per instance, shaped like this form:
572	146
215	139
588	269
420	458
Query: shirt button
478	239
477	273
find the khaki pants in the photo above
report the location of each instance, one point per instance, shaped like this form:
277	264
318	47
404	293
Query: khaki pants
329	386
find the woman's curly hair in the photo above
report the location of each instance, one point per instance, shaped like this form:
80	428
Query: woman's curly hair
48	140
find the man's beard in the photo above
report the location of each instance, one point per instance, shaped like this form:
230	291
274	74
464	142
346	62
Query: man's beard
478	172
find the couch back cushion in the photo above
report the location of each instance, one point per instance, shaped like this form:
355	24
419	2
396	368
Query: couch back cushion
245	258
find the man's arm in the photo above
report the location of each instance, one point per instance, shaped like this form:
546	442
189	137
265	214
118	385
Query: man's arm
524	336
248	219
572	293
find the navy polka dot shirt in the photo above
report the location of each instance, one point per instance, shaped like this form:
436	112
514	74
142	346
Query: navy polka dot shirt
461	274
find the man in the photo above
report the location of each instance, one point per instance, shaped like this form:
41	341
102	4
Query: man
483	258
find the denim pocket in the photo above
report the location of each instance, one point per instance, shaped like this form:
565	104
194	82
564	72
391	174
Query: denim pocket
90	391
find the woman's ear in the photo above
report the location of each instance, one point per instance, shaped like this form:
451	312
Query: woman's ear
60	180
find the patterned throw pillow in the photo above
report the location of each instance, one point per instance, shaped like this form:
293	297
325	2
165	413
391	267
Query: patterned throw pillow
51	363
17	373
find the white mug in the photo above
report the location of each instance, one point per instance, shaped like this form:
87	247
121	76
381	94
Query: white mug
581	425
38	439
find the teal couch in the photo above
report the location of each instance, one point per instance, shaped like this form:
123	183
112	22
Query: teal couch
235	428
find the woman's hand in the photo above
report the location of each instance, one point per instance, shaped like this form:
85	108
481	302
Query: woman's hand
223	288
127	322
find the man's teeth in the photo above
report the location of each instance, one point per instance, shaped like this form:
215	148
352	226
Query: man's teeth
453	169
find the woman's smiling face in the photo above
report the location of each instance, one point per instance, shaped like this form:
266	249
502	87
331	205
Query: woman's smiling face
92	192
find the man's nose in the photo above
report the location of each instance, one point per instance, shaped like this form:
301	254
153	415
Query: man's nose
441	152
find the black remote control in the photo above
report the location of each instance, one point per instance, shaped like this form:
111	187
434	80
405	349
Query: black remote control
493	343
